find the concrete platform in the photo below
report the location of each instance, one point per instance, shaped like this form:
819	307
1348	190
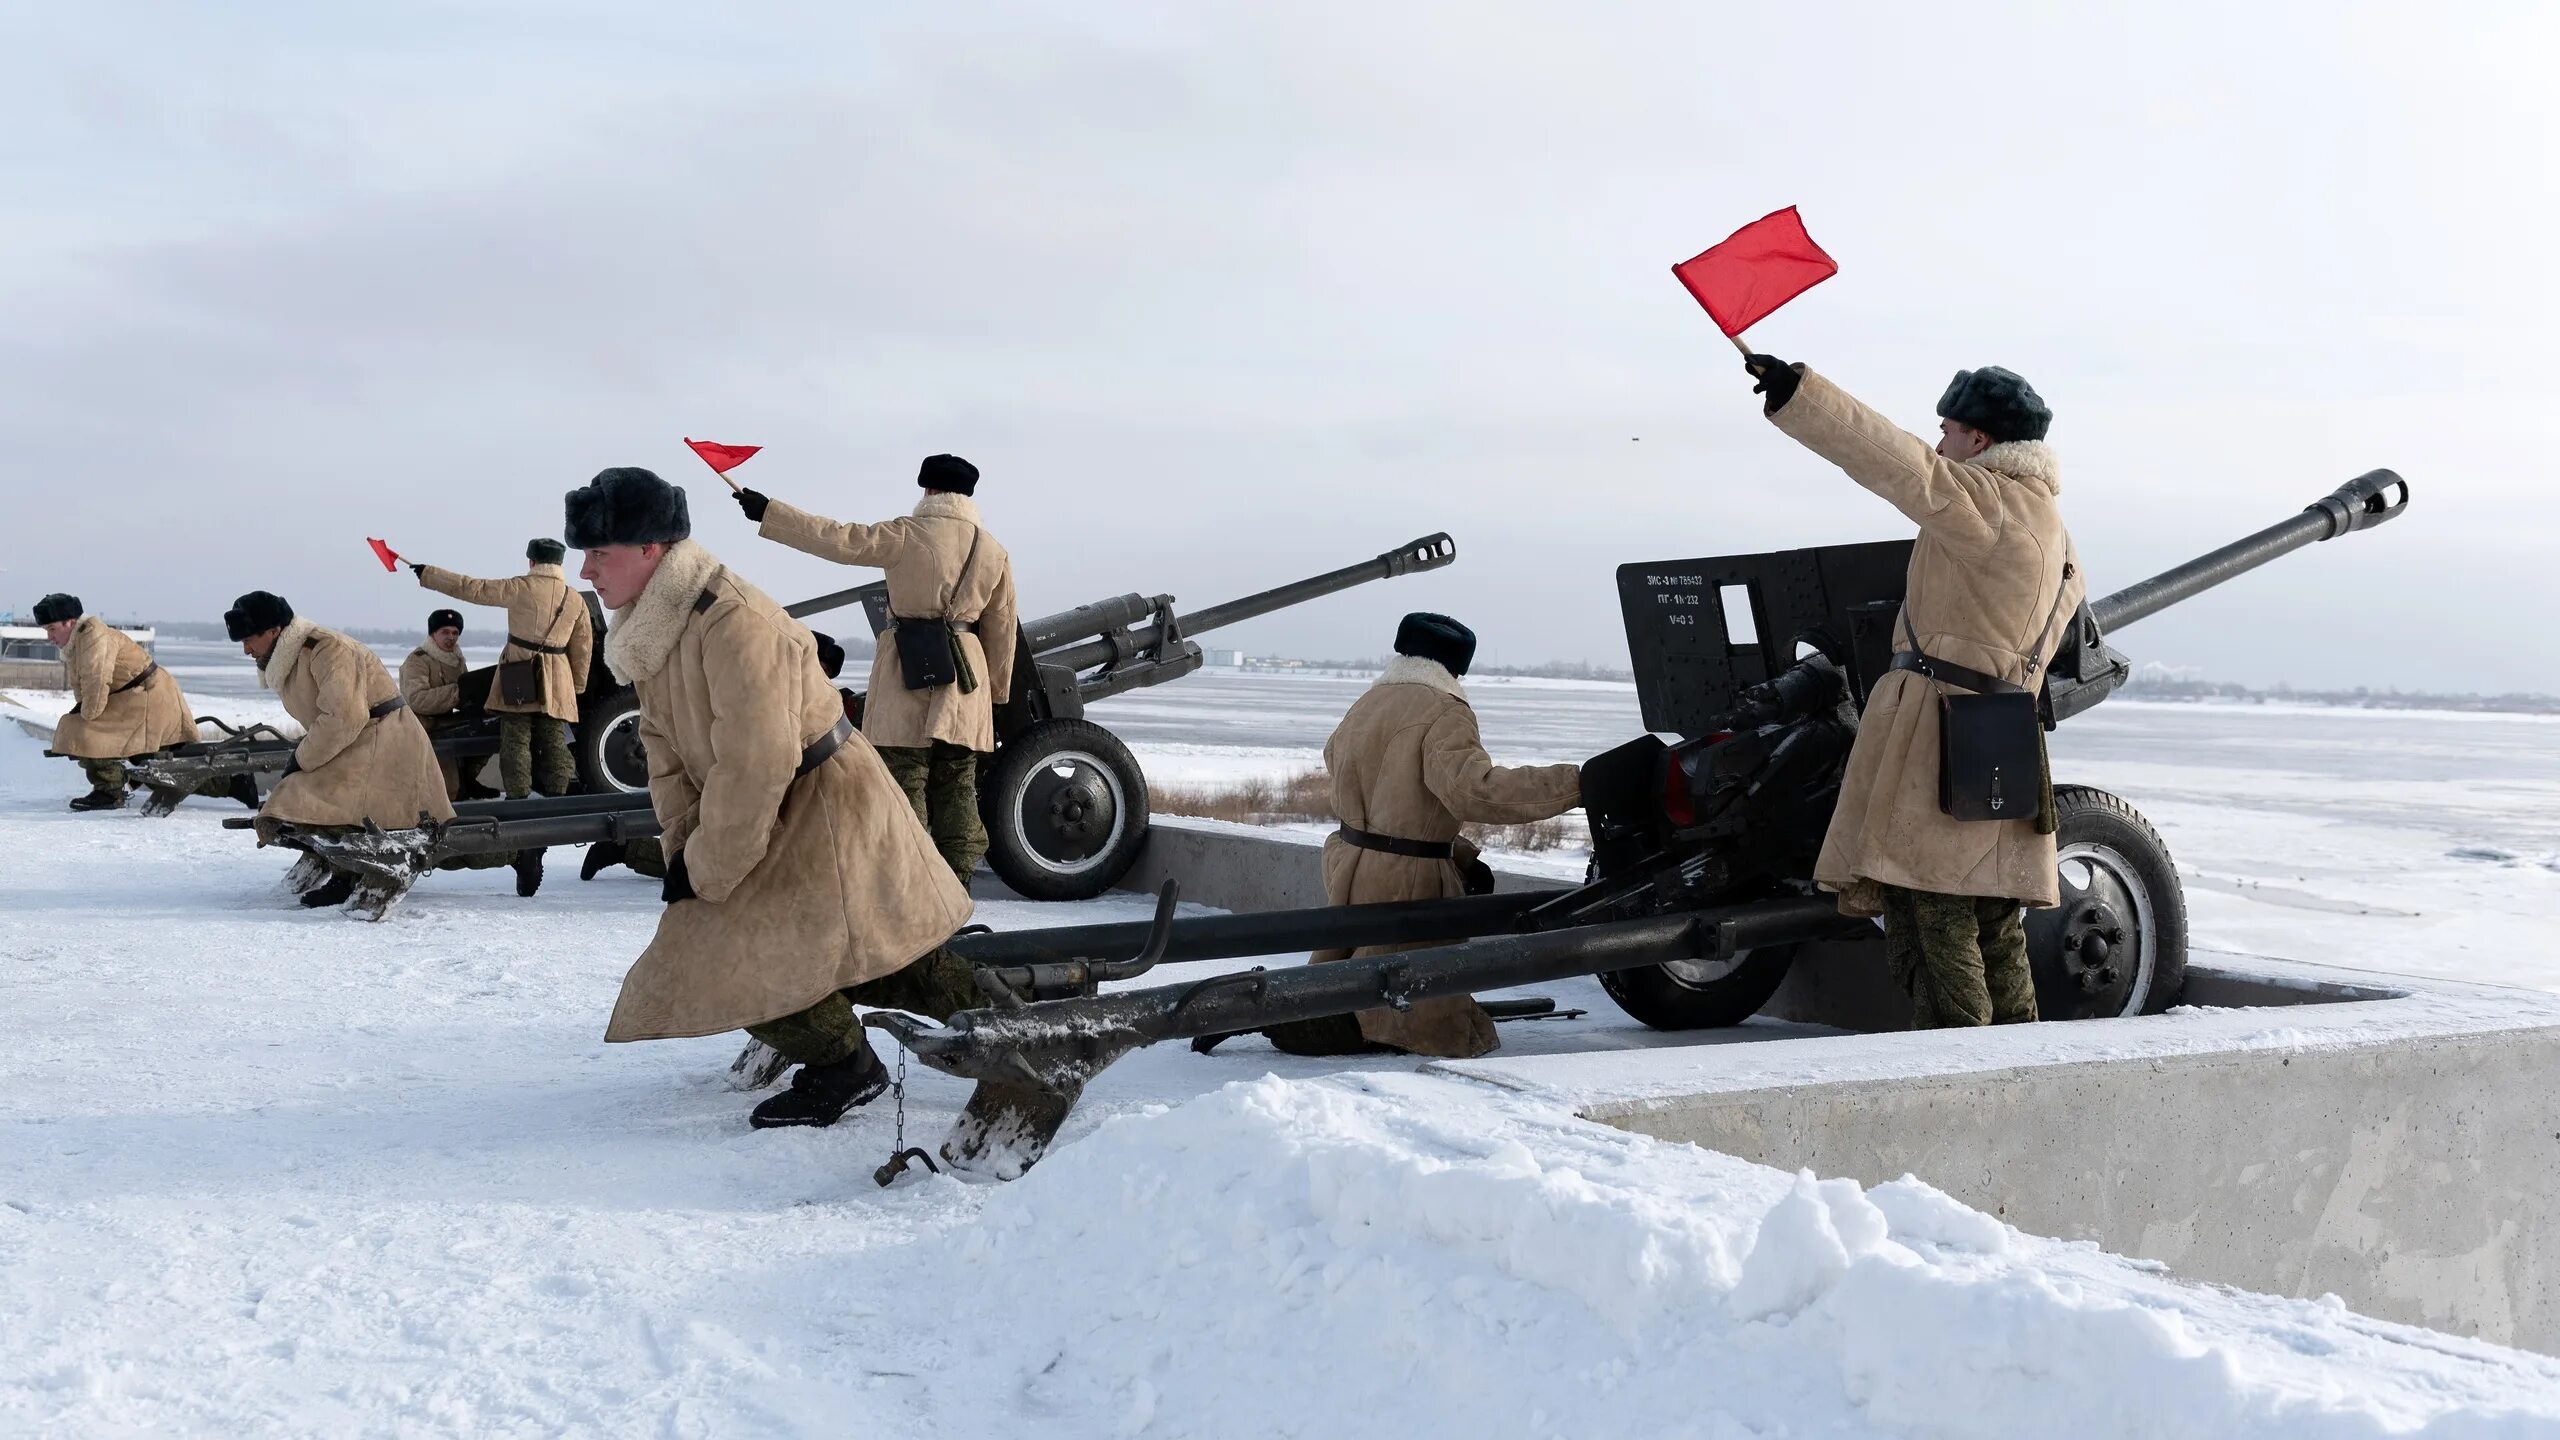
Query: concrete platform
2295	1129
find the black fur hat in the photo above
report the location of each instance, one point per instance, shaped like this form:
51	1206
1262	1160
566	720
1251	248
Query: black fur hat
948	472
1997	402
1437	637
438	619
256	613
545	552
830	654
58	607
625	505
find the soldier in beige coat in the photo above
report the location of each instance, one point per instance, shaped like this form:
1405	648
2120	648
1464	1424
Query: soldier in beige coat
1993	581
123	704
431	681
363	758
1408	769
547	631
795	869
942	568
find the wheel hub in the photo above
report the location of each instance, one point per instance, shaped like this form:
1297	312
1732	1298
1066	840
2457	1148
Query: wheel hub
2094	952
1069	811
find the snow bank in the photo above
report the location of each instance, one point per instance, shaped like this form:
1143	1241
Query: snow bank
1404	1255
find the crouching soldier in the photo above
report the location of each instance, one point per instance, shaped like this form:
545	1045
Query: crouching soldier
794	866
431	681
947	657
1993	581
363	758
1408	769
124	705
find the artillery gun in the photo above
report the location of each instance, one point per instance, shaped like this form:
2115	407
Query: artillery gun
1699	894
1065	803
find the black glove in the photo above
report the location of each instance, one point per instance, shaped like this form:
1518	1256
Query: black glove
678	885
1777	381
292	766
1476	876
753	502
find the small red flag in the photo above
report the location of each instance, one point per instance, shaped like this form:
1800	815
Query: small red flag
721	458
389	557
1755	270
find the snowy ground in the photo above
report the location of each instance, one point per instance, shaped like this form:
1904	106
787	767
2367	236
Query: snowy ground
267	1172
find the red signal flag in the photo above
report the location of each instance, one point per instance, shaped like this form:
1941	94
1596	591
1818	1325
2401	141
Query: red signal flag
722	458
389	557
1756	269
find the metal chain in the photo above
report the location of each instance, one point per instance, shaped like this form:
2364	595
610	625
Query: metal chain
898	1087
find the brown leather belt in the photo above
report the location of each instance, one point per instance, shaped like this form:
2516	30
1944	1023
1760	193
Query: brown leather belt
147	672
1393	845
396	702
522	643
823	749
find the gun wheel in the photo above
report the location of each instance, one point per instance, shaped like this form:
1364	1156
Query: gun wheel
1065	806
609	754
2117	944
1701	994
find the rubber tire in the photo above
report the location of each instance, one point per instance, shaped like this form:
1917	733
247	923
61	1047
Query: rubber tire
1003	777
2085	815
1651	995
595	724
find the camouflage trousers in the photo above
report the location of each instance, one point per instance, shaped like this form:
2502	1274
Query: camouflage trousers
1961	958
940	985
649	857
528	744
941	781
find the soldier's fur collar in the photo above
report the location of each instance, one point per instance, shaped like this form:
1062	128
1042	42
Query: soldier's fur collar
2029	460
644	633
943	505
544	567
298	635
1414	670
443	659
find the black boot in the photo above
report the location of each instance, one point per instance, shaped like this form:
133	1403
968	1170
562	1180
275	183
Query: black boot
245	790
602	855
100	800
820	1094
339	889
528	865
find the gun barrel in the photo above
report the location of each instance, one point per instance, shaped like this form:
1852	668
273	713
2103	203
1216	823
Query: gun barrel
2361	503
1428	553
1087	621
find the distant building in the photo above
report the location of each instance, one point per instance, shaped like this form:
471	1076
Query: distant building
1223	659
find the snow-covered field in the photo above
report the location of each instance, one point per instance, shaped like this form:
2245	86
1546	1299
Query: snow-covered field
269	1172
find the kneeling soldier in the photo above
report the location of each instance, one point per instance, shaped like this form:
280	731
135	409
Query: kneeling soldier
1408	769
124	704
1993	580
363	758
795	867
431	681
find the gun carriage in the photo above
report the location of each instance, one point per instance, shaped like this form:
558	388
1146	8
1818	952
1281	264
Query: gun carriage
1699	894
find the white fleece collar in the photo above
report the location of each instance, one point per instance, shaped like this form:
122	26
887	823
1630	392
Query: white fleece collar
447	659
543	568
943	505
2029	460
644	633
287	653
1415	670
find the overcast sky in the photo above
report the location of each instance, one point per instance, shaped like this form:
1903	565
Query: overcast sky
1219	295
